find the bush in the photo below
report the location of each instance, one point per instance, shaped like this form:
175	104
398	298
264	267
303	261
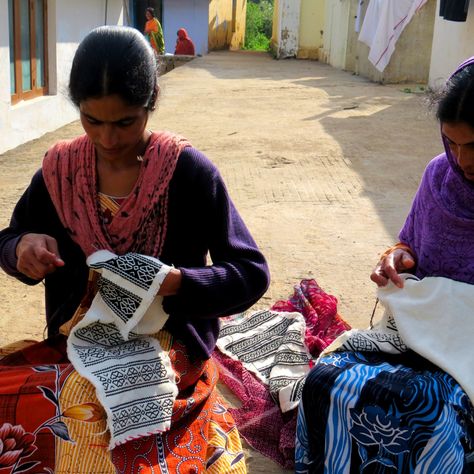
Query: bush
258	28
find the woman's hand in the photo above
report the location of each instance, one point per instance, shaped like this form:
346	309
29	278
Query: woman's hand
172	283
389	266
37	255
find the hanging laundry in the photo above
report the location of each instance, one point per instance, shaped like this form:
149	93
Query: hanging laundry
454	10
383	24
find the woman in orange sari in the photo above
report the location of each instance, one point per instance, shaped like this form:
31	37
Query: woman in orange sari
153	31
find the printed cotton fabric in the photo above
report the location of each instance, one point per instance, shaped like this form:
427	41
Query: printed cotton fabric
52	421
372	401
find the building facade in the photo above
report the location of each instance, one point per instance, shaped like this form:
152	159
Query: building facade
38	39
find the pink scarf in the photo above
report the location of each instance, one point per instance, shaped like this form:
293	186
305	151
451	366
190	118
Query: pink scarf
69	171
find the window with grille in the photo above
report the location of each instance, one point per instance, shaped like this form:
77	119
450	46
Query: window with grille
27	21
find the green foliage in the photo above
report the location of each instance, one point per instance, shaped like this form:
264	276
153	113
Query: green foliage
258	28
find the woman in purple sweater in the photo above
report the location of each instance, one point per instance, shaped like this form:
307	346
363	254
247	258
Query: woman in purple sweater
127	190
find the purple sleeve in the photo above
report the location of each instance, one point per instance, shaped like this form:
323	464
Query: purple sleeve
406	235
26	211
412	230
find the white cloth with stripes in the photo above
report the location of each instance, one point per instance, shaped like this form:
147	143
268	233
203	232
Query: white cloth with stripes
112	348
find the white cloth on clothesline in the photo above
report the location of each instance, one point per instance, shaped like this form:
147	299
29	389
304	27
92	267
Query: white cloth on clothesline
383	24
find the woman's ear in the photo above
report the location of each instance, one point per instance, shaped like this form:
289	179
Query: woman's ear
154	98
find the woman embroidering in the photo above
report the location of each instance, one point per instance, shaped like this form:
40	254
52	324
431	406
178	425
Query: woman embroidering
399	397
118	224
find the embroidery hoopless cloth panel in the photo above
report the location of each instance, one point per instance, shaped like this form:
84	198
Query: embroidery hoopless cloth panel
112	348
432	317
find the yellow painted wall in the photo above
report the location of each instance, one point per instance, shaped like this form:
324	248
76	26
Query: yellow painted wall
276	25
227	24
311	28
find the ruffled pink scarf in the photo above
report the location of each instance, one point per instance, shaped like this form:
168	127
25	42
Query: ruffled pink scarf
69	171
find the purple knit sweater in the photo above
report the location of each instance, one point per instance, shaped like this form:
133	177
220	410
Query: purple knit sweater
202	222
440	226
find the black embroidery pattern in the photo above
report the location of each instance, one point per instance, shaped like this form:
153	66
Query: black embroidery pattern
134	268
142	413
272	345
134	377
136	374
91	355
258	318
121	301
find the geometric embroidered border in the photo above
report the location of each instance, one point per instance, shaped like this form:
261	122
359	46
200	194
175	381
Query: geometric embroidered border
133	267
271	345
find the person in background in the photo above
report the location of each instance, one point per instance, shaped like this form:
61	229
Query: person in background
184	44
153	31
144	196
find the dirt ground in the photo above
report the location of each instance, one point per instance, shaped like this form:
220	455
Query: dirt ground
321	164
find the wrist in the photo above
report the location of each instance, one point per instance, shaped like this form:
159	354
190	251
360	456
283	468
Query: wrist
398	246
172	283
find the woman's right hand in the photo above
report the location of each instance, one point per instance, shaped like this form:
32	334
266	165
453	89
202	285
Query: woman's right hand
37	255
390	266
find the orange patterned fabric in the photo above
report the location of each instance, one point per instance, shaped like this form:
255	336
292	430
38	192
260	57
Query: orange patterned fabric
210	443
54	416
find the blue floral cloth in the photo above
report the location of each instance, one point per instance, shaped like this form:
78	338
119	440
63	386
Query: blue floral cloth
380	413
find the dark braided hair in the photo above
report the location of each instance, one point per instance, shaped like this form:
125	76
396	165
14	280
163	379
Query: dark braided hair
455	102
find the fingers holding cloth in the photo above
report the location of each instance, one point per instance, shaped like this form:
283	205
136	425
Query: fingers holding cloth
128	291
395	260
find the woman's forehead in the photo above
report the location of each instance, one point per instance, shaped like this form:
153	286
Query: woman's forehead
109	108
458	132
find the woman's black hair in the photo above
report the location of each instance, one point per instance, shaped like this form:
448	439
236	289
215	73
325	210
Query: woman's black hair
114	60
151	10
455	102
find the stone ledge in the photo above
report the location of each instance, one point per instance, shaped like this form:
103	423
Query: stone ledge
168	62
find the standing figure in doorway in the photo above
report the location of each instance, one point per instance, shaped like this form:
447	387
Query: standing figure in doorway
154	32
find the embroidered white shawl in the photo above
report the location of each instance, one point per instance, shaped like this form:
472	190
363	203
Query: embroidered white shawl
433	317
112	348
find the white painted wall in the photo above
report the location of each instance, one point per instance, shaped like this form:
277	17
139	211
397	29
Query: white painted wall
336	25
288	28
67	25
452	43
193	15
4	69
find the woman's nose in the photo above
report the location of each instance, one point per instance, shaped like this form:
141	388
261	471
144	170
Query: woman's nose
465	156
108	136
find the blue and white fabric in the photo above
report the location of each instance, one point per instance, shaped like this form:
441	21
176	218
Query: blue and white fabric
395	398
